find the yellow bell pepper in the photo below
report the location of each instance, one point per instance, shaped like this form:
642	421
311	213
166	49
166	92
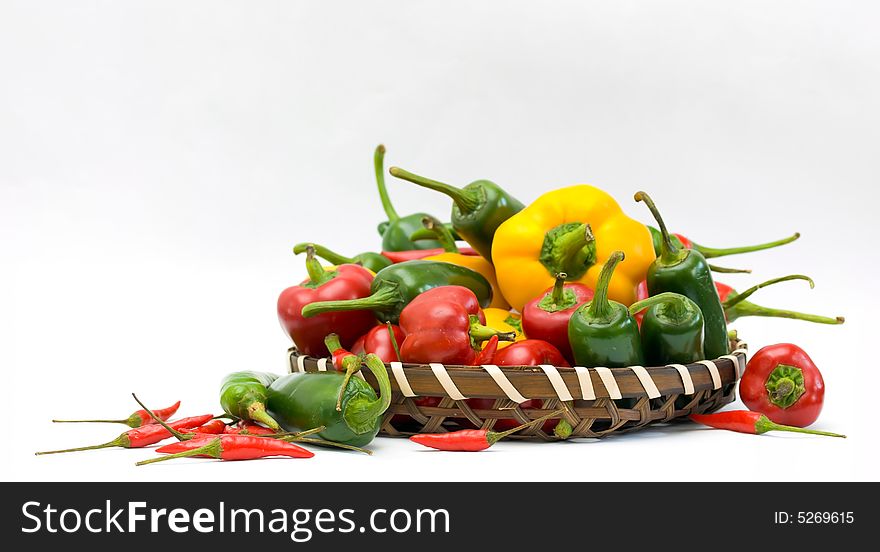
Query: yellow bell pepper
571	230
477	264
506	321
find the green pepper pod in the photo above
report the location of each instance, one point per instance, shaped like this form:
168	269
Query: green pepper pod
478	209
686	272
712	252
372	261
603	332
304	400
395	286
243	395
672	329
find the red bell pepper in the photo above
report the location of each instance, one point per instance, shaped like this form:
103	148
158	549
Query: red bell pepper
346	281
378	341
782	382
415	254
546	317
443	325
736	306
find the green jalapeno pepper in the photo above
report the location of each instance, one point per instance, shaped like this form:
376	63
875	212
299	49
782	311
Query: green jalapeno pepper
603	332
243	395
395	286
686	271
370	260
304	400
478	209
672	329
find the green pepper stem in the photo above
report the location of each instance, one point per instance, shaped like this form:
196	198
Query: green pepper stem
324	253
378	165
118	442
494	436
180	436
332	342
468	201
90	421
740	297
600	307
437	232
747	308
764	424
669	254
480	333
351	364
393	339
711	252
678	304
213	449
725	270
362	415
322	442
317	274
385	298
558	293
257	412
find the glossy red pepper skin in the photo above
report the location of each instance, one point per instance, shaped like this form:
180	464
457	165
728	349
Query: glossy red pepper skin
416	254
552	325
348	282
378	342
782	382
238	447
137	418
753	423
642	293
487	355
213	427
686	242
247	428
465	440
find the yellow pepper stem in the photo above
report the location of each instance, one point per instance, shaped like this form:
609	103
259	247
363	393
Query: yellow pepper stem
569	248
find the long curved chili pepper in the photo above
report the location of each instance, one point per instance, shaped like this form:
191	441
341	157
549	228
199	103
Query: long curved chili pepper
755	423
142	436
214	427
234	447
472	440
138	418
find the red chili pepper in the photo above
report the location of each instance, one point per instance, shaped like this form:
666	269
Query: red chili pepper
755	423
379	342
231	447
471	440
443	325
546	317
736	306
782	382
488	353
348	281
415	254
214	427
143	436
138	418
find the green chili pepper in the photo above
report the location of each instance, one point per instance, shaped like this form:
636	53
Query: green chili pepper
478	209
308	399
243	396
396	230
372	261
712	252
672	329
685	271
395	286
603	332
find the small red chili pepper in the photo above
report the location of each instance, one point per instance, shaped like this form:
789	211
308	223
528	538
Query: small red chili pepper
231	447
546	317
379	342
138	418
346	281
736	306
746	421
471	440
248	428
416	254
488	353
143	436
443	325
783	383
214	427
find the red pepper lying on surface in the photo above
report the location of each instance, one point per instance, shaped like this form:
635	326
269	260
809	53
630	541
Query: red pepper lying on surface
755	423
471	440
546	317
443	325
138	418
416	254
379	342
214	427
343	282
248	428
782	382
230	447
735	305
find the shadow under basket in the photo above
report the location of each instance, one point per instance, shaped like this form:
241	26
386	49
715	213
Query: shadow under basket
597	401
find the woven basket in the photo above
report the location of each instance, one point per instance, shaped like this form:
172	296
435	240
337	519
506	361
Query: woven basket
597	401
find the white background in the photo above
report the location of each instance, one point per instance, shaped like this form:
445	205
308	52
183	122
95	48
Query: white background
159	159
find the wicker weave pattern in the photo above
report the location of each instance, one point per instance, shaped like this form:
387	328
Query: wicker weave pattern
603	401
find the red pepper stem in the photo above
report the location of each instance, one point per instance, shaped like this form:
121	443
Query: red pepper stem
764	424
332	342
480	333
740	297
393	339
378	165
439	233
317	274
180	436
558	293
214	449
386	296
600	307
669	254
711	252
494	436
324	253
725	270
118	442
677	303
467	201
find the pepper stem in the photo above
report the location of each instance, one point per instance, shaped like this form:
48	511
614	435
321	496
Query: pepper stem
351	364
600	307
669	254
90	421
747	308
213	449
740	297
468	201
324	253
180	436
332	342
711	252
393	339
118	442
558	293
385	298
494	436
725	270
764	424
438	232
317	274
480	333
322	442
677	303
378	165
257	412
361	415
